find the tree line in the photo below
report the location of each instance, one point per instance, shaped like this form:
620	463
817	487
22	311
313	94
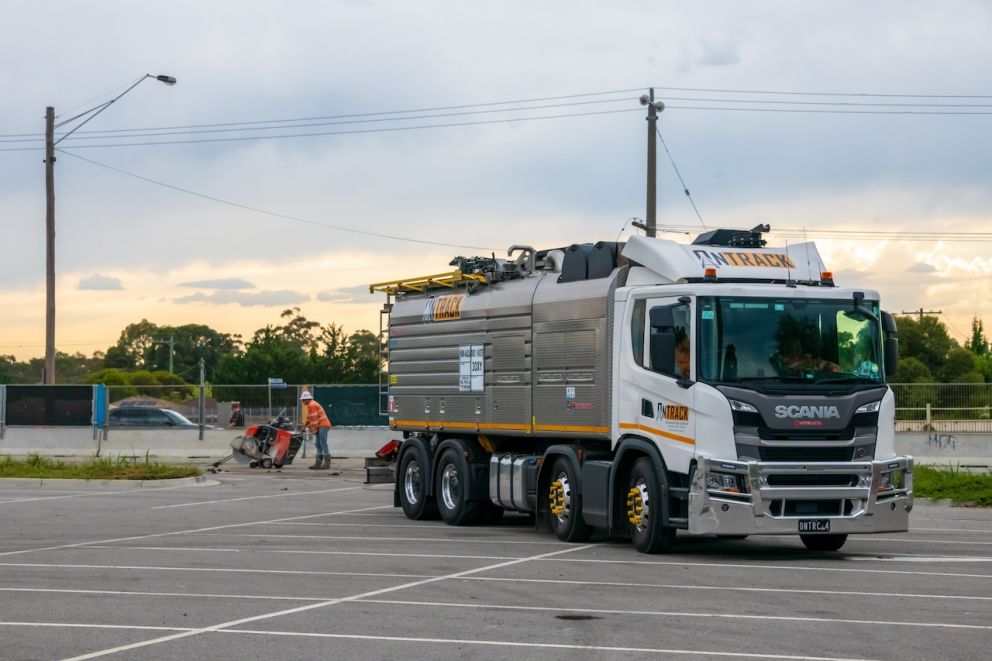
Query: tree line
296	349
300	350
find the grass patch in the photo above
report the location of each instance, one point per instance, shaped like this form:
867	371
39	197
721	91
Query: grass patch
95	468
952	482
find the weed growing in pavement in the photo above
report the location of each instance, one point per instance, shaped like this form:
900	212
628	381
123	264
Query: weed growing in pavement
95	468
954	483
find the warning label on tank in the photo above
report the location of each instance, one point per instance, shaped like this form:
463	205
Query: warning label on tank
471	367
443	308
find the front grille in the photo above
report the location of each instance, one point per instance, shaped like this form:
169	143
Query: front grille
805	454
814	480
768	434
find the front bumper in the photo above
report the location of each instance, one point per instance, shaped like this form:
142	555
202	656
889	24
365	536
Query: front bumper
776	496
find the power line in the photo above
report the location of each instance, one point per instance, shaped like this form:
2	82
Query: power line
685	188
349	115
326	133
274	214
857	94
911	236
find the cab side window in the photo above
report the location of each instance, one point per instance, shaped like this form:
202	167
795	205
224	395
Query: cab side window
637	331
671	340
683	341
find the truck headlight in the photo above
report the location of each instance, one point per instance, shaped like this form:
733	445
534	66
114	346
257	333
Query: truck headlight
869	408
741	407
724	482
892	480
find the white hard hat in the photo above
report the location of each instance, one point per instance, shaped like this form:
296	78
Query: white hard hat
306	395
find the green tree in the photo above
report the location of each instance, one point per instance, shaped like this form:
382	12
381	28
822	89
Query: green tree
978	344
960	367
144	346
926	340
912	370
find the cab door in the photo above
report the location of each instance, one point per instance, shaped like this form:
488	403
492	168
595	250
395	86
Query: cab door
658	371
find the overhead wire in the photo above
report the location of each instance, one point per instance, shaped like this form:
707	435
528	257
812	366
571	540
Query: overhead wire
349	115
274	214
806	93
388	129
685	188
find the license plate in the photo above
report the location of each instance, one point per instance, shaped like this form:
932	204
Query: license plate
814	525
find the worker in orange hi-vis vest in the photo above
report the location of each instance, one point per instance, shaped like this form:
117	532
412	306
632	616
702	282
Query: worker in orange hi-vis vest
318	423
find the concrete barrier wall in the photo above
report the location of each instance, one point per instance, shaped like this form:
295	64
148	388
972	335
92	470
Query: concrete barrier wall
934	448
168	444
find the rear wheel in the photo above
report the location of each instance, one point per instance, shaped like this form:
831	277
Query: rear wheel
413	479
823	542
644	510
453	475
563	503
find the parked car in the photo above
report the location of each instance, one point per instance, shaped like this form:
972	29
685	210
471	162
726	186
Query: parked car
149	416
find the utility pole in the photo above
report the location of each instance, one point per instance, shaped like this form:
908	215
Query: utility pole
203	395
654	108
172	349
49	245
922	312
50	143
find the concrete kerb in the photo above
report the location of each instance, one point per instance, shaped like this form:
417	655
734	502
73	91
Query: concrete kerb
196	480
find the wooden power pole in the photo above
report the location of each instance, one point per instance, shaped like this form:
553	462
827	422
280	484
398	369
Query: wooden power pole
50	245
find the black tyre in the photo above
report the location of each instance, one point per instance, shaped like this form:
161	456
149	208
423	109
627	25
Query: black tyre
452	489
266	463
644	507
823	542
277	465
565	503
412	481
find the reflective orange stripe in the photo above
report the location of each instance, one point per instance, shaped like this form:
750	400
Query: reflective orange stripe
659	432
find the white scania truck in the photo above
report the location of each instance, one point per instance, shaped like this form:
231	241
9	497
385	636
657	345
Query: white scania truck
723	388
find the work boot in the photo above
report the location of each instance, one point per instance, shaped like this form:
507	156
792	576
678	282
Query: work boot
327	462
318	462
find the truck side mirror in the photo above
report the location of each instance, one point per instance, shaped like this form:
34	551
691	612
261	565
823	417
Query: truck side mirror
662	317
891	355
891	344
663	351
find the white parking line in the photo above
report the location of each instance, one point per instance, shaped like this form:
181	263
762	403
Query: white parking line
184	595
542	646
916	540
268	495
64	625
189	531
541	539
764	566
329	602
483	579
685	614
673	563
104	493
233	570
252	551
723	588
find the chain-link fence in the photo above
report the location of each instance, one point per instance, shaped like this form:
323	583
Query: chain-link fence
944	407
239	406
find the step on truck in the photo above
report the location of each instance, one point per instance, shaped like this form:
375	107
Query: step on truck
723	388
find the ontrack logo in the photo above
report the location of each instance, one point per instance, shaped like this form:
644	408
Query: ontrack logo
806	412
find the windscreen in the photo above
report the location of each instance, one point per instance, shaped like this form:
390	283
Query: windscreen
783	340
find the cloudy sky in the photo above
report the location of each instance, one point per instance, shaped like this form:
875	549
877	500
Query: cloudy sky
199	249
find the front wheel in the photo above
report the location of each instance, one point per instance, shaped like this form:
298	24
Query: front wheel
563	503
452	489
823	542
644	510
414	476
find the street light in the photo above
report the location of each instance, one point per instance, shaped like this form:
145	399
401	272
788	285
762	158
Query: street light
50	143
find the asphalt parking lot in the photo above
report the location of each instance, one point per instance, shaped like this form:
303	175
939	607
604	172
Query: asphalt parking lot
290	565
